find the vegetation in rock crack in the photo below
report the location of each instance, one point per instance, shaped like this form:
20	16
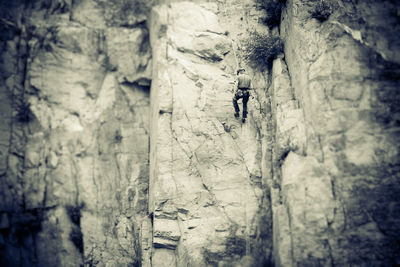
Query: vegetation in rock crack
260	49
135	7
76	237
24	113
273	9
322	10
46	37
49	38
235	246
74	213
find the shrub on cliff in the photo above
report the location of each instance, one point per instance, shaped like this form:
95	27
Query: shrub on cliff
260	50
273	9
322	10
135	7
24	113
74	213
76	238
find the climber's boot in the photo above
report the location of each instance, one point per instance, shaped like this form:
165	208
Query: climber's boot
236	114
244	116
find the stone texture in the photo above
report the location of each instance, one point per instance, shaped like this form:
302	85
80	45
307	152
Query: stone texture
196	31
125	53
164	257
332	68
118	144
204	174
76	172
166	233
290	128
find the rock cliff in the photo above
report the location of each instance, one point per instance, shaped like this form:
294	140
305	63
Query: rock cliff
118	144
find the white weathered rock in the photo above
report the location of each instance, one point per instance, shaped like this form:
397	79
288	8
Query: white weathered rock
164	257
198	170
311	205
166	233
124	51
290	135
335	87
311	174
52	160
89	13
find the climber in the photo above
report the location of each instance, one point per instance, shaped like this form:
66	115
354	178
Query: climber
242	91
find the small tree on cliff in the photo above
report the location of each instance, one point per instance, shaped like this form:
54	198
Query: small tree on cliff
260	49
323	9
132	7
273	10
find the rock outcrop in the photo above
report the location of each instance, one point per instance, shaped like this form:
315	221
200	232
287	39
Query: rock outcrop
75	173
206	192
118	144
339	176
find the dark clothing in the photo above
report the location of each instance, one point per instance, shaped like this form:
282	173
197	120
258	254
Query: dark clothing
243	87
244	94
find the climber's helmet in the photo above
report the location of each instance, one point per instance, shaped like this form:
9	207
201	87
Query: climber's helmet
240	70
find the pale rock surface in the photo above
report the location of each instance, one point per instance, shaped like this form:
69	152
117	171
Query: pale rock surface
331	192
96	169
290	128
125	53
204	166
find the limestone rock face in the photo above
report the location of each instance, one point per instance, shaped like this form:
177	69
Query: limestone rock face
335	193
119	145
76	171
205	174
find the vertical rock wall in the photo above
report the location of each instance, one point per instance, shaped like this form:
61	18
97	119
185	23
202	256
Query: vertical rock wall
206	192
75	151
92	175
337	135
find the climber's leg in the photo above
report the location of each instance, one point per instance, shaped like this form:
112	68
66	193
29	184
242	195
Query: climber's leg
236	106
245	100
